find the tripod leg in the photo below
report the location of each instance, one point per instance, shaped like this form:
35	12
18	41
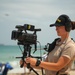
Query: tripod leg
34	70
29	67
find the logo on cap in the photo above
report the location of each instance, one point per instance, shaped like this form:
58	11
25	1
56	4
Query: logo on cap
58	20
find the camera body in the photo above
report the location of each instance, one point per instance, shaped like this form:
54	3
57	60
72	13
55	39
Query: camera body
22	36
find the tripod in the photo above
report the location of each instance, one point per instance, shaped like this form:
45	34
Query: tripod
27	53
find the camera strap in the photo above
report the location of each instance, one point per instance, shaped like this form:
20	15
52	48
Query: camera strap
52	45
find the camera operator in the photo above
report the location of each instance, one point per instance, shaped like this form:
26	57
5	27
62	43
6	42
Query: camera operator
59	60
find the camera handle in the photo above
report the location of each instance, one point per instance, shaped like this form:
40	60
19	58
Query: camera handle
26	53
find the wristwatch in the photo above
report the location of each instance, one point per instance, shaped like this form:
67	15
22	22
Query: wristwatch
37	62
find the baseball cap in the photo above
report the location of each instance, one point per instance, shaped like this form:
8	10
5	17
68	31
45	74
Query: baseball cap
61	21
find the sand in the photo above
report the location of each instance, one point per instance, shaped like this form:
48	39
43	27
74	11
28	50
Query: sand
22	71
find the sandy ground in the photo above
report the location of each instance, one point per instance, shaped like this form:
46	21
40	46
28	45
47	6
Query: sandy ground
22	71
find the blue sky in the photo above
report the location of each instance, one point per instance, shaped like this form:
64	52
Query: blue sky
40	13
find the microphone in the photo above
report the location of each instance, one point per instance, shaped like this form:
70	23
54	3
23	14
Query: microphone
30	27
37	29
27	27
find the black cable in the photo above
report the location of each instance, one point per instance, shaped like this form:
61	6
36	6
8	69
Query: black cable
20	48
40	49
41	56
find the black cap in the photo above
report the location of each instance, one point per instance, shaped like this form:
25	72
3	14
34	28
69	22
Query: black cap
62	20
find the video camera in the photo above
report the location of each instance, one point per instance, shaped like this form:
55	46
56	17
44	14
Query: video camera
26	39
22	36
